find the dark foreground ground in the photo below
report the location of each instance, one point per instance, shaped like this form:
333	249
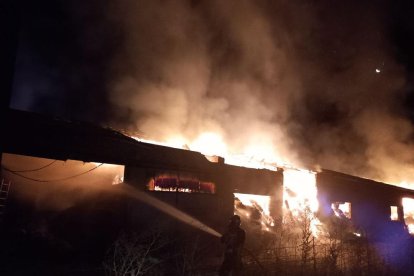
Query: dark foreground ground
99	235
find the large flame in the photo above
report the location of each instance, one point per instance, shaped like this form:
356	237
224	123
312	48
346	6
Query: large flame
251	200
259	209
408	205
209	143
212	144
300	192
300	196
299	186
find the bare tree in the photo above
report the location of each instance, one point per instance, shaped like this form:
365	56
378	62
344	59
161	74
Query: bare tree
189	257
334	240
306	237
135	254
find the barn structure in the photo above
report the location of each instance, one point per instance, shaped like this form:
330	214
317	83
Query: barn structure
201	186
375	207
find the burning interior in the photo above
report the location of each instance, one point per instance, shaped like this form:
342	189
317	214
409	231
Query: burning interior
254	209
342	209
394	213
173	183
408	205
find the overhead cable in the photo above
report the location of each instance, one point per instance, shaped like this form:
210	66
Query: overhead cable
33	170
52	180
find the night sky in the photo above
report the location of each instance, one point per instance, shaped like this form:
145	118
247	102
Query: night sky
327	83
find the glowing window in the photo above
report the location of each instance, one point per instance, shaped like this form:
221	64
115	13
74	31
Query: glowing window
408	206
254	209
342	209
174	184
394	213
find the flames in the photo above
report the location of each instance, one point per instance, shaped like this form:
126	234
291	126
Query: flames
299	187
253	155
300	192
342	210
254	209
209	143
408	205
300	197
251	200
394	213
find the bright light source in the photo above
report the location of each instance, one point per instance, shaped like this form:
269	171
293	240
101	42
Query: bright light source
408	207
300	195
209	143
377	70
261	200
260	205
394	213
300	190
342	210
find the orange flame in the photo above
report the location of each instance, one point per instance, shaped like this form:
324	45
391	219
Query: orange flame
300	190
408	205
300	196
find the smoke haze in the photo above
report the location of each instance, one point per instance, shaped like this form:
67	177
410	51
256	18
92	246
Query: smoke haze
308	82
295	76
58	185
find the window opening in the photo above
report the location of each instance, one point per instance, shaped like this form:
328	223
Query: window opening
408	206
254	209
168	183
342	209
394	213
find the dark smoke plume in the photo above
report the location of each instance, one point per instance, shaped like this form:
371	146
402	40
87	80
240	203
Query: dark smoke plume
314	83
317	83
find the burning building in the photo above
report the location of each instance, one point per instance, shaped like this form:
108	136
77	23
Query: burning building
192	183
210	190
376	208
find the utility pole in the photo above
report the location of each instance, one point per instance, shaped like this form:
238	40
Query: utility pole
9	25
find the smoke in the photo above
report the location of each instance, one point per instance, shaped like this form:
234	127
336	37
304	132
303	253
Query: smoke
51	195
310	83
304	82
50	185
213	67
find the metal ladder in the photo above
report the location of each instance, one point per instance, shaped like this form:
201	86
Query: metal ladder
4	194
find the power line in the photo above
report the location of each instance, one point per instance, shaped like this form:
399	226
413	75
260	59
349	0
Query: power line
52	180
33	170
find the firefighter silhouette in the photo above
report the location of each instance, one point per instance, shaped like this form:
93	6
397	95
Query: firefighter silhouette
233	240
